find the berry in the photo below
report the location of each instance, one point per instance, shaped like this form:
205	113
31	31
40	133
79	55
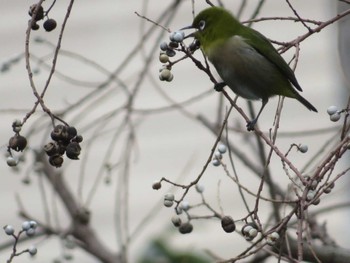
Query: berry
186	228
335	117
33	224
32	250
73	150
253	232
72	132
165	74
18	143
30	232
26	225
168	203
163	58
199	188
9	230
11	161
185	205
169	196
222	148
39	14
56	160
50	24
215	162
170	52
228	224
163	46
156	185
218	155
331	110
272	238
176	220
303	148
51	148
177	36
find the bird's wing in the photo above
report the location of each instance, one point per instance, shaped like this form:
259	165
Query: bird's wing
262	45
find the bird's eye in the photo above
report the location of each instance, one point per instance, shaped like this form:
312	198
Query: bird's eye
201	25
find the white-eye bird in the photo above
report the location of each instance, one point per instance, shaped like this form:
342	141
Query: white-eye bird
246	60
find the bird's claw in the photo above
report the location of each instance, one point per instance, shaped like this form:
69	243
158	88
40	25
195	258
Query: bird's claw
251	125
219	86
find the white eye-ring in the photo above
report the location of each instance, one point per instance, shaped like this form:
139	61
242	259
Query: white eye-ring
201	25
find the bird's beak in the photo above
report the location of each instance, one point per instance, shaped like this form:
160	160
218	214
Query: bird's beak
191	34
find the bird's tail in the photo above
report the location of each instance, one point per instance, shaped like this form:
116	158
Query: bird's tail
305	102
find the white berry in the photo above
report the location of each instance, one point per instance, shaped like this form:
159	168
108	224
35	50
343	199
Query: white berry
30	232
222	148
303	148
200	188
163	46
32	250
9	230
185	205
11	161
26	225
33	224
215	162
253	232
332	109
218	155
335	117
168	203
169	196
177	36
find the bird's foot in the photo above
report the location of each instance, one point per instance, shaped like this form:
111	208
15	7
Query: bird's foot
219	86
251	125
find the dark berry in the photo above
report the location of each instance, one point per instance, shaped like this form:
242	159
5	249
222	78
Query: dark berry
40	13
228	224
56	160
18	143
51	148
35	26
50	24
73	150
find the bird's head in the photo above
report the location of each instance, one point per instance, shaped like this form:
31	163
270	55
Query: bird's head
213	24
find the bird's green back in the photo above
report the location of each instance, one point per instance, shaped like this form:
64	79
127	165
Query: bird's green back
220	25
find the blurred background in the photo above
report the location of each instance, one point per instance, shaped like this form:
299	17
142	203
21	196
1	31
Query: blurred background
105	37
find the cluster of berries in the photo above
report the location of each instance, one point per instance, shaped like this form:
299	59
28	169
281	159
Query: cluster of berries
65	141
28	227
334	113
167	51
218	154
49	24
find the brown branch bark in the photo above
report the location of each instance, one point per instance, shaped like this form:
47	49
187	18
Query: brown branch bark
81	228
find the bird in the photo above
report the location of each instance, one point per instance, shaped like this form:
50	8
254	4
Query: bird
245	59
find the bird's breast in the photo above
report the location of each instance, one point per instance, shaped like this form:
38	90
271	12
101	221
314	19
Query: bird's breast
248	73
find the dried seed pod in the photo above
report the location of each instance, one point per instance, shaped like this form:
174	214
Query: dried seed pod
59	132
176	220
56	160
50	24
78	138
73	150
40	13
51	148
72	132
156	185
35	26
18	143
186	228
228	224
